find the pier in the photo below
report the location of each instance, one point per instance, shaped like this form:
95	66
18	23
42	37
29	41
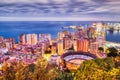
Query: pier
113	26
112	44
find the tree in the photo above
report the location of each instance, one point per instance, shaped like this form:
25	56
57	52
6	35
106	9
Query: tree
101	49
62	75
98	69
112	52
117	61
41	71
9	73
118	75
89	70
105	63
20	71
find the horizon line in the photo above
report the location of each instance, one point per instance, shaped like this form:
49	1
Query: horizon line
53	19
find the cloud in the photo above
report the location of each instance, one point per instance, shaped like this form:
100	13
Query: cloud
60	1
24	1
87	2
72	18
59	8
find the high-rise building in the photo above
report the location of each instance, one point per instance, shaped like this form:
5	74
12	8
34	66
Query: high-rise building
80	33
99	28
66	33
21	39
82	45
1	38
31	39
34	39
91	32
67	42
60	35
60	47
28	39
94	48
100	40
9	42
75	44
8	45
100	33
54	48
43	37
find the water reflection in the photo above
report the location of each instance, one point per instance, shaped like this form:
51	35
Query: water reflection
113	35
114	32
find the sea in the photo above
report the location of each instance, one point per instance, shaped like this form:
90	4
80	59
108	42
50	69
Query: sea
12	29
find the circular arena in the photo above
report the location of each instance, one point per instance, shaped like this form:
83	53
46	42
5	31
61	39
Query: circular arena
74	59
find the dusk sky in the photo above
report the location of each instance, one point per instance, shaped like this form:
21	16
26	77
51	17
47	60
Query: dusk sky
86	10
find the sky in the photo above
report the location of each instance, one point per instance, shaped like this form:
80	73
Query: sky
61	10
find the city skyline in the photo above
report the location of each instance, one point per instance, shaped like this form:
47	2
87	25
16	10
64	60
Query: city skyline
62	10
